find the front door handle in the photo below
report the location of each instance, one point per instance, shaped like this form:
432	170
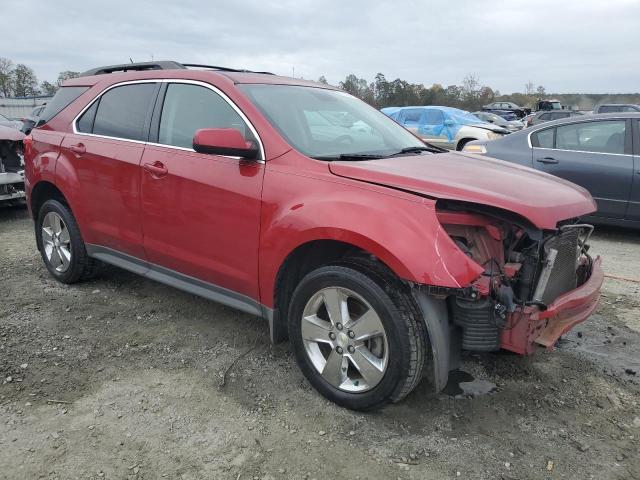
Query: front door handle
78	148
156	169
547	160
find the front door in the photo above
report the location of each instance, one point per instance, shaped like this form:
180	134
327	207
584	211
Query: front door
593	154
201	212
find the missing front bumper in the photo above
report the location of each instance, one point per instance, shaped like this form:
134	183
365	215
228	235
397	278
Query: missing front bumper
532	327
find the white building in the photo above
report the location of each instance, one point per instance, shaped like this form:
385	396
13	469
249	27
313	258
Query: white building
21	107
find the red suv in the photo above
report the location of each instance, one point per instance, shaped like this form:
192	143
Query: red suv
377	256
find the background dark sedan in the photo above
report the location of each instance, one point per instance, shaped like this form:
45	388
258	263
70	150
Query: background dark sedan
599	152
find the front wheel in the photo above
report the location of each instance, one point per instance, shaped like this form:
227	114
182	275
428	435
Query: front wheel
355	337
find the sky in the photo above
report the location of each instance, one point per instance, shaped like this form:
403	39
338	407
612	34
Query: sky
568	46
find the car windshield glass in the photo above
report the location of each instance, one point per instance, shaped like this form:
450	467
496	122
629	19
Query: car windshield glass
323	123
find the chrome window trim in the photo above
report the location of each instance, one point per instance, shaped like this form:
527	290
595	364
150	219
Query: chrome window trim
170	80
584	151
573	123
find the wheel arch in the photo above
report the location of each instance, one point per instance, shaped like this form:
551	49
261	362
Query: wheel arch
306	257
463	141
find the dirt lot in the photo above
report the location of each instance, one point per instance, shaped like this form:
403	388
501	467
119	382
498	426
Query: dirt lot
121	378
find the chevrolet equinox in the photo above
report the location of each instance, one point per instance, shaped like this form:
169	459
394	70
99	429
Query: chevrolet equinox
378	257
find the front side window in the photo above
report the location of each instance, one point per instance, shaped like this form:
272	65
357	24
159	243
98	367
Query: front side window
365	130
434	117
600	137
188	108
122	112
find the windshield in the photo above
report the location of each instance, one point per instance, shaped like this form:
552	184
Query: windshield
326	124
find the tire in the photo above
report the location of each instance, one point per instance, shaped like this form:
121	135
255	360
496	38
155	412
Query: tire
61	245
392	361
463	142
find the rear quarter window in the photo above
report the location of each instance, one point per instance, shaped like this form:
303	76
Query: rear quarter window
543	138
63	97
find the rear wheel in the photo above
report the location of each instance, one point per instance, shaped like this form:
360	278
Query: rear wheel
358	345
61	244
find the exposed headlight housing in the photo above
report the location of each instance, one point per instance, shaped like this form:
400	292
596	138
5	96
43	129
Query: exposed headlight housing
493	135
479	149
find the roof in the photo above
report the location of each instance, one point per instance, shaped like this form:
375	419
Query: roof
587	117
170	69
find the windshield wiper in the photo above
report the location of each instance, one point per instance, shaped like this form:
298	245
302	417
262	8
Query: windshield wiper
353	156
428	148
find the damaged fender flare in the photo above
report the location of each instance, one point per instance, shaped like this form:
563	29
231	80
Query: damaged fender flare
436	319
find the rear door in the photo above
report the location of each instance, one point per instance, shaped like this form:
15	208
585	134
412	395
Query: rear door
105	149
593	154
201	212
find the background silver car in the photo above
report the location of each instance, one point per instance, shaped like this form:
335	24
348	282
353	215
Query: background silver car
511	125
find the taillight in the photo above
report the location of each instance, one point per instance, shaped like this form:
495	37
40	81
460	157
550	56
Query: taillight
27	142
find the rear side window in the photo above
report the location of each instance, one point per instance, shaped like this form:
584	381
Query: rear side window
123	112
543	138
434	117
63	97
412	116
608	109
544	116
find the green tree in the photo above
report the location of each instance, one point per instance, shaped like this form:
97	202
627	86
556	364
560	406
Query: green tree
6	77
48	88
66	75
24	81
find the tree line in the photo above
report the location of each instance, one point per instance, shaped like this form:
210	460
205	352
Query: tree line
19	80
470	95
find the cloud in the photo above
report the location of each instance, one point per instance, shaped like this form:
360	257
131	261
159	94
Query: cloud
568	46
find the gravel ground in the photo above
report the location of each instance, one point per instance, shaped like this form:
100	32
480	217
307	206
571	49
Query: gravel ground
122	377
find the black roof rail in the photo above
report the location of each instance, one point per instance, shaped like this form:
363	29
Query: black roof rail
139	66
159	65
223	69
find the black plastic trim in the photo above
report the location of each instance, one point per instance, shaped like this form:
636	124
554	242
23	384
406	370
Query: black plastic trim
180	281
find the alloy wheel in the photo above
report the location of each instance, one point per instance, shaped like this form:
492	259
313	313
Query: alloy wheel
56	242
345	339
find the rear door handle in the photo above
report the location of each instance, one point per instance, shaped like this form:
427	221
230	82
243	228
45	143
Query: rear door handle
78	148
156	169
547	160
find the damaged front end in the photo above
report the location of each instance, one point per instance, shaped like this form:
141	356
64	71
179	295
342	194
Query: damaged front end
11	165
536	284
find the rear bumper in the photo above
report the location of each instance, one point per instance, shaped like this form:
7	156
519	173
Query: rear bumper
532	327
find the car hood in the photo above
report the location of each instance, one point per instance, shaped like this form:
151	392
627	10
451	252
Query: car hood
7	133
541	198
488	126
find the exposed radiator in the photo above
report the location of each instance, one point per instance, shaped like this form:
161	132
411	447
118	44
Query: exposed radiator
559	269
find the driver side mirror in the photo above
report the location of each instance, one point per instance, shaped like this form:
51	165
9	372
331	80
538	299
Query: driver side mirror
224	141
449	123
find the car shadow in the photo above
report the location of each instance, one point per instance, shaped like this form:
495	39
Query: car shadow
14	211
